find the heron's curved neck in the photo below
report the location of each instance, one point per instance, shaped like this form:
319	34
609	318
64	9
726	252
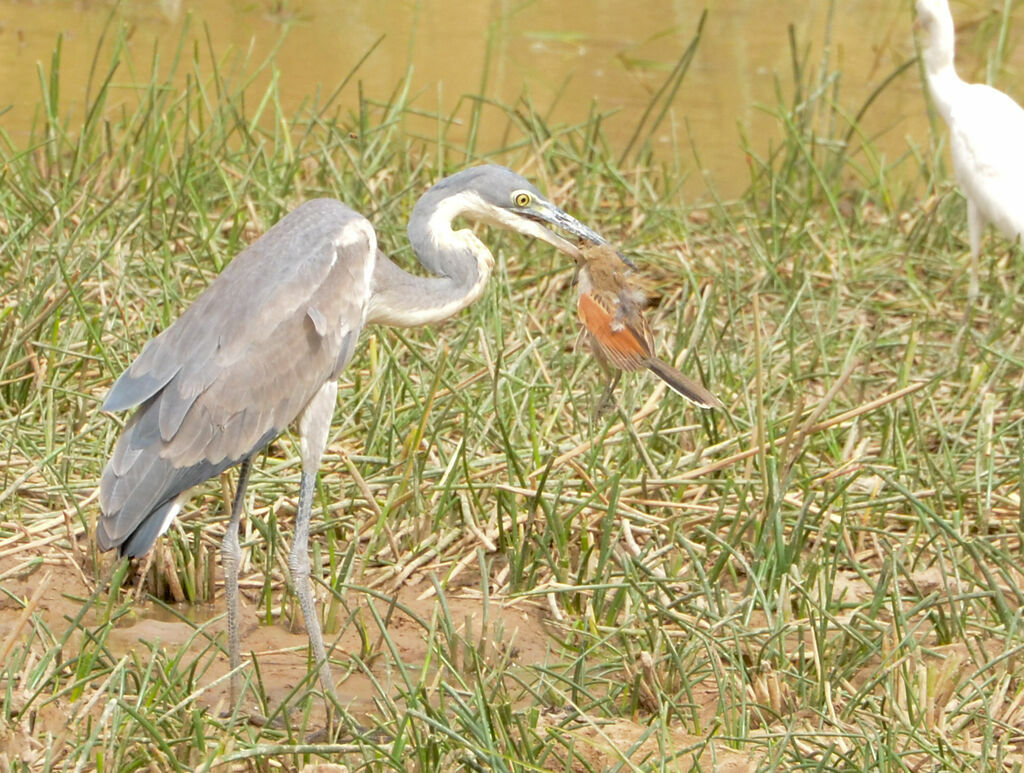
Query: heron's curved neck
461	264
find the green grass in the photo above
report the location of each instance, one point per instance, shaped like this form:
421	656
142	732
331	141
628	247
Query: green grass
826	576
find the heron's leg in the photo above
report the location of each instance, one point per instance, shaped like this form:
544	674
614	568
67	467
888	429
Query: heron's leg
230	558
313	428
139	590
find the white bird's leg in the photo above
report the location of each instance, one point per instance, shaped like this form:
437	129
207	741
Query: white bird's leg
230	558
313	427
975	225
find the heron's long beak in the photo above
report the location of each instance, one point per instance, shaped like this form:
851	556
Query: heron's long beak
547	214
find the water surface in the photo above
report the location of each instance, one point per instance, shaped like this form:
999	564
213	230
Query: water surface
567	56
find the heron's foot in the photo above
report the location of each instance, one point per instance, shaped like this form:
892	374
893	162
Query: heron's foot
252	717
348	730
258	720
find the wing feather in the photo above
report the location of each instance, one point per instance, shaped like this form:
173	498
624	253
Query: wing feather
617	342
986	129
683	385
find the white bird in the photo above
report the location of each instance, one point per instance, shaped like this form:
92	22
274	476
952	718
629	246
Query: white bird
986	136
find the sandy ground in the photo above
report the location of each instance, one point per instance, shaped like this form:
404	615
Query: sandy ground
516	632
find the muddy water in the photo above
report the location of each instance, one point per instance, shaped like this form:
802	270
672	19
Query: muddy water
567	55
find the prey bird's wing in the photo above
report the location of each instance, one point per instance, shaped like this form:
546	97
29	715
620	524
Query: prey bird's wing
617	340
237	367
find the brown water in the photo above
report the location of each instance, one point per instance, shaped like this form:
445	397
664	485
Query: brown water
568	55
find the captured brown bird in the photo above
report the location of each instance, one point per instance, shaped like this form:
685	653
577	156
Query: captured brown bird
611	310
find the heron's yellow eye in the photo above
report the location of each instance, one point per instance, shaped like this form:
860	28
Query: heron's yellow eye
521	199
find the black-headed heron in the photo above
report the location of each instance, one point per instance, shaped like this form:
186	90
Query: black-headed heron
263	346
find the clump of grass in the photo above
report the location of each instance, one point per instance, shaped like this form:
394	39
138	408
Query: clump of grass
824	576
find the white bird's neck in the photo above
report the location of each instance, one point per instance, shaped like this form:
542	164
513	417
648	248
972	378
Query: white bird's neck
943	81
944	86
461	264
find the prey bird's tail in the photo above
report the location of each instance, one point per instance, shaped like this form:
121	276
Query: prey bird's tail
683	385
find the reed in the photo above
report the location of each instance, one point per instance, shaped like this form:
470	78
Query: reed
824	576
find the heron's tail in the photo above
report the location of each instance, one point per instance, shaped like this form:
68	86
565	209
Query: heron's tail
141	491
683	385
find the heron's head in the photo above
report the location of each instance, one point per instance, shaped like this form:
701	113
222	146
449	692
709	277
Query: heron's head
498	196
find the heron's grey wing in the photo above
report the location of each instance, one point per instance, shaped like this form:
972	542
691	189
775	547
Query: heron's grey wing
237	367
269	278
